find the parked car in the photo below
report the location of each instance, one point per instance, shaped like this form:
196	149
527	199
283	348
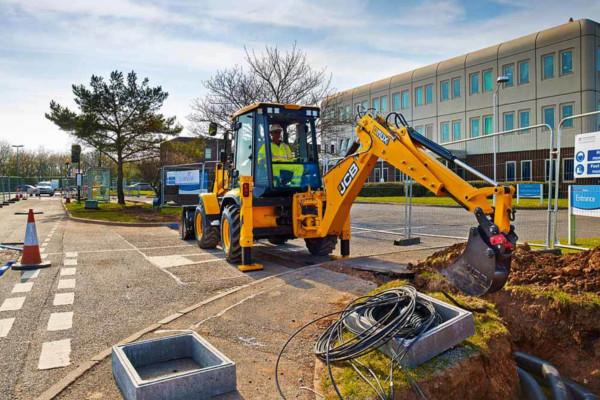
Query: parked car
30	190
139	186
45	188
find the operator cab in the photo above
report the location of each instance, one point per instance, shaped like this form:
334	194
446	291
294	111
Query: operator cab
278	169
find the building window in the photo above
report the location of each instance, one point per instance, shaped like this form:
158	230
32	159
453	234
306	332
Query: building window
524	120
598	59
384	106
548	113
419	129
348	114
509	121
385	174
445	128
566	62
474	83
397	175
508	70
566	110
523	72
474	122
445	90
419	96
548	66
510	171
405	99
208	153
428	94
455	130
376	105
396	101
332	148
429	131
341	114
567	170
488	125
487	81
455	88
526	170
548	170
377	175
365	105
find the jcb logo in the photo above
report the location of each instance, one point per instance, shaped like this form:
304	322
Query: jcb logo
382	136
348	178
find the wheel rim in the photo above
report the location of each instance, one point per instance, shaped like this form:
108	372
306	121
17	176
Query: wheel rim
199	225
225	229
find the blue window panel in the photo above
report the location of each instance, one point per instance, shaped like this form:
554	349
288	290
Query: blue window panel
419	129
475	127
456	130
365	105
445	132
376	105
396	101
445	90
523	72
455	88
568	165
548	62
474	83
508	70
384	106
419	96
510	171
509	121
566	62
488	125
524	120
428	94
525	170
405	99
487	81
549	116
567	111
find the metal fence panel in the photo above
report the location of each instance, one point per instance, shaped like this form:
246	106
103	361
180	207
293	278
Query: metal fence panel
182	184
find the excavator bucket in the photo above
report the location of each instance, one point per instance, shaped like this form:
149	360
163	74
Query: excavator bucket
479	269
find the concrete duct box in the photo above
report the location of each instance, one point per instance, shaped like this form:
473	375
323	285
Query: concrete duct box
178	367
456	326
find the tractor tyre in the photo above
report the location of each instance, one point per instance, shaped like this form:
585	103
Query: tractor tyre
321	246
185	232
231	228
277	240
207	235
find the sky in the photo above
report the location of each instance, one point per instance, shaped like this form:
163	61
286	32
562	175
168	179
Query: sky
48	45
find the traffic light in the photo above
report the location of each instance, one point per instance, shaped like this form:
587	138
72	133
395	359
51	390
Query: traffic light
75	153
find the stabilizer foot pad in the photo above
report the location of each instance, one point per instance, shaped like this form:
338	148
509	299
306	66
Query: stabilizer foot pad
20	267
250	267
407	242
333	257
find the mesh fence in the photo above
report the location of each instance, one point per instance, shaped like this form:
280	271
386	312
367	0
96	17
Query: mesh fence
181	184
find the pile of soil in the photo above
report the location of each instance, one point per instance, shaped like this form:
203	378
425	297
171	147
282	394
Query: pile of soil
573	273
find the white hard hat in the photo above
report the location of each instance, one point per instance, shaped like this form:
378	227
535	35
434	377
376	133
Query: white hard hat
276	127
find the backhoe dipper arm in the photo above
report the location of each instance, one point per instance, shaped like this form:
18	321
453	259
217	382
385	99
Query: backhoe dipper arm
405	149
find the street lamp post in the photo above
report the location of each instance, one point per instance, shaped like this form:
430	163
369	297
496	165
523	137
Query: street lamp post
17	146
501	79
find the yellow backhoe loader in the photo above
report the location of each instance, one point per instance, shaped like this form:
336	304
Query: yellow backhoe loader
270	187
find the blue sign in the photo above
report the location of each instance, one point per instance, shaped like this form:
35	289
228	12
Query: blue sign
579	170
585	197
530	190
580	156
593	155
593	168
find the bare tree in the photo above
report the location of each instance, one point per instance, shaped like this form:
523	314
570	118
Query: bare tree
6	155
271	76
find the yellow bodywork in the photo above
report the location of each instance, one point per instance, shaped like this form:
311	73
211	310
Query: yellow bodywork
211	203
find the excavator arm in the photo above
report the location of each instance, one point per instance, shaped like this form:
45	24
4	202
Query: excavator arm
485	264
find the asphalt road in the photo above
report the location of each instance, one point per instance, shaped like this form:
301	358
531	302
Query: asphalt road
108	282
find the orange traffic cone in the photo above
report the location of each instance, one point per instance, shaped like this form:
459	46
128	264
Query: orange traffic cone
31	258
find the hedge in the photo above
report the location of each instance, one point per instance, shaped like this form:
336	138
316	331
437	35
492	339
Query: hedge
385	189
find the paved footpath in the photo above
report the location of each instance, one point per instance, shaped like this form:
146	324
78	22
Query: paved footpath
107	283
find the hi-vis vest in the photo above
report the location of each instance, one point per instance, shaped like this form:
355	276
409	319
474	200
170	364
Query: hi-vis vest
281	153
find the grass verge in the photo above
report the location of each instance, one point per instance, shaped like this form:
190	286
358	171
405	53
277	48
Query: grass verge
130	212
589	243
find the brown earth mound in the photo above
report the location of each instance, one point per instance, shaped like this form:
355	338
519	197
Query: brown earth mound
579	272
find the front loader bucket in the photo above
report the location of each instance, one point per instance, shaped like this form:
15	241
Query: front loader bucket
477	271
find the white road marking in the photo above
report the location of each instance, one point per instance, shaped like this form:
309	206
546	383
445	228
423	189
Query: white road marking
64	299
47	240
55	354
71	254
67	271
42	250
12	304
66	284
22	287
5	325
169	261
60	321
44	245
70	262
31	274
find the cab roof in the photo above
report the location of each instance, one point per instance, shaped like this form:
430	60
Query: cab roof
261	104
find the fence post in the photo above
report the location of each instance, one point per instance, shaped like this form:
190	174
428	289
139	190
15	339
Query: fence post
571	222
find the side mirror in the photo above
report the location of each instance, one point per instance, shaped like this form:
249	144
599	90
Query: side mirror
212	129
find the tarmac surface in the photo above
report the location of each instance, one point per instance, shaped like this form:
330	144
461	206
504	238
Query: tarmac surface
108	282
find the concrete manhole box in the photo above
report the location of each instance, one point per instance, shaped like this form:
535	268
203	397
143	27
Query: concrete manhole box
177	367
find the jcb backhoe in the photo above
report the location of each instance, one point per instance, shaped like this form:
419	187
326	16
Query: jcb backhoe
271	188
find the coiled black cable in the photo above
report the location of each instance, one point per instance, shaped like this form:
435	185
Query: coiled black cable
396	312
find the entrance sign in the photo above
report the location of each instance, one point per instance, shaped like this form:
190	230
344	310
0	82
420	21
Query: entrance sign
583	200
587	155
